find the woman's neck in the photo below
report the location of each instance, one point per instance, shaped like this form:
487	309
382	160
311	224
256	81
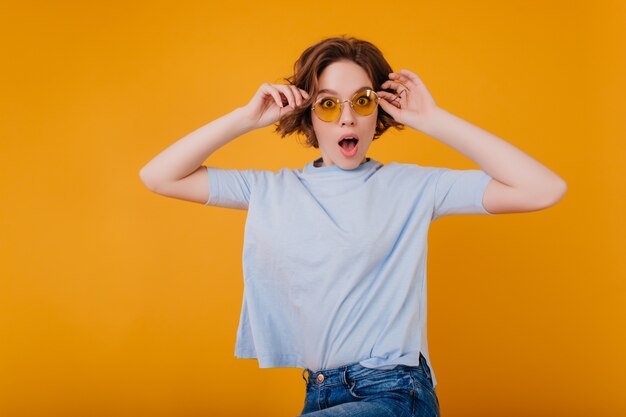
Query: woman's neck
320	164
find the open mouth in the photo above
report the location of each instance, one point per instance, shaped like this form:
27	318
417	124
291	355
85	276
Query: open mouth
349	146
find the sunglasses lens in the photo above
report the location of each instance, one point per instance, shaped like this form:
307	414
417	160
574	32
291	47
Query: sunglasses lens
328	109
364	103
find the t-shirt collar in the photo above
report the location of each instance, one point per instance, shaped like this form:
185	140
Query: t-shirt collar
311	168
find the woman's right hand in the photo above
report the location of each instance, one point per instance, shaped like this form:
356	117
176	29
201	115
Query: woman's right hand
265	108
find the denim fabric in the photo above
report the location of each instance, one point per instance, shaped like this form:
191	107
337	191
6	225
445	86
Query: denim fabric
354	390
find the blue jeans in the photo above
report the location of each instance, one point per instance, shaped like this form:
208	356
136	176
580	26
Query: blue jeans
354	390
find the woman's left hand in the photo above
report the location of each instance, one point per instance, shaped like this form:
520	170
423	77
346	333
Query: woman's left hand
412	105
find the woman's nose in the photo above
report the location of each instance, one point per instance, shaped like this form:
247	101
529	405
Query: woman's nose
347	114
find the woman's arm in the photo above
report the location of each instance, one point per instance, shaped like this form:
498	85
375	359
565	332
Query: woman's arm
519	184
185	156
177	171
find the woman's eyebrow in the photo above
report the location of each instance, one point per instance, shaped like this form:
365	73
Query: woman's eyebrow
327	90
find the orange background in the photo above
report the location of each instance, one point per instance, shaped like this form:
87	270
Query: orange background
115	301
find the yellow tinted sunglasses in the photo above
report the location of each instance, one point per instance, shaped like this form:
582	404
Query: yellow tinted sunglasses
328	109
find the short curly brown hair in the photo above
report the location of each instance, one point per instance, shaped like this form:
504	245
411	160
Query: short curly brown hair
310	65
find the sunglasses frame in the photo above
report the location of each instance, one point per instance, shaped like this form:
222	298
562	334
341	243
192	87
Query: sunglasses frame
340	104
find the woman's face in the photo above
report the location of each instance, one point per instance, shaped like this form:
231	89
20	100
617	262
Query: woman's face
343	79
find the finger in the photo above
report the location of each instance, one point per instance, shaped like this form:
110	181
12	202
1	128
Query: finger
301	95
296	94
284	88
404	79
389	108
285	110
386	95
411	76
268	88
305	95
389	98
396	85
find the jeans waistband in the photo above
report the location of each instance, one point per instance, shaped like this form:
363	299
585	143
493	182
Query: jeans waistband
347	372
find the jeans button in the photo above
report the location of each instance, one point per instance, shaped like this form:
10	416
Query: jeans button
320	378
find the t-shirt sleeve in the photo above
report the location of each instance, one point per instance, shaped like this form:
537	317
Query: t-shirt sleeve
231	188
459	192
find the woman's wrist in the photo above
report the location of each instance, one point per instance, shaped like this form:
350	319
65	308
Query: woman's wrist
244	121
426	123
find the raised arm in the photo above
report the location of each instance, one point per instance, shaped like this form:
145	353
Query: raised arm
177	171
519	183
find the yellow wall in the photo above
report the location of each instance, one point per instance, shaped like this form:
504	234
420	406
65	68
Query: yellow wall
115	301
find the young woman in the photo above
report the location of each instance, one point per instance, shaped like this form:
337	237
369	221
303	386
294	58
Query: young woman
334	255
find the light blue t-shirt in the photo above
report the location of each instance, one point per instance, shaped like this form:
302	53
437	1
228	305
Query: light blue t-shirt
334	260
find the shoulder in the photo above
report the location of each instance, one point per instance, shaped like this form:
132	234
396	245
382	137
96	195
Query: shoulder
412	172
